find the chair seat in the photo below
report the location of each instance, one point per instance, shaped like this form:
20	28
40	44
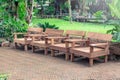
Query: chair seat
87	49
62	45
86	52
59	45
40	43
22	40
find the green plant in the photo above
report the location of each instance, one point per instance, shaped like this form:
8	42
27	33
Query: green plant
3	76
115	9
49	10
22	10
67	18
47	25
8	27
116	30
98	14
13	18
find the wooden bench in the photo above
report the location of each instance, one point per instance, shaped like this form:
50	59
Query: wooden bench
63	46
46	41
97	45
26	39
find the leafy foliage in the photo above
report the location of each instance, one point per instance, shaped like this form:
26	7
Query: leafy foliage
3	76
47	25
12	19
10	26
64	6
116	30
98	14
115	8
67	18
50	10
22	10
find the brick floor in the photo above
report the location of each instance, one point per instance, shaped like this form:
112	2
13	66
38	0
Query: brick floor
23	65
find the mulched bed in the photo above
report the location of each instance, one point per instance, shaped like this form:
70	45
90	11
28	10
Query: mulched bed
115	51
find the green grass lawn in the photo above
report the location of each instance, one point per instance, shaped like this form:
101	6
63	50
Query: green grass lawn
66	25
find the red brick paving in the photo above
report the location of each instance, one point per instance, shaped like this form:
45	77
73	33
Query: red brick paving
30	66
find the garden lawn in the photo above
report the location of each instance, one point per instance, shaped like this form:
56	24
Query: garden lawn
66	25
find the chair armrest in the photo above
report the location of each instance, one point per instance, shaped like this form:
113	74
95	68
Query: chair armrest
56	37
92	46
73	41
98	44
52	39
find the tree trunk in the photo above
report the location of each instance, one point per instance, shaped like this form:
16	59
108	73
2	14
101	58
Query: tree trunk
29	8
70	12
60	11
83	7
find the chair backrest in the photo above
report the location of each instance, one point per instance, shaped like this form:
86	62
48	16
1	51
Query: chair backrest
75	33
33	30
99	36
54	32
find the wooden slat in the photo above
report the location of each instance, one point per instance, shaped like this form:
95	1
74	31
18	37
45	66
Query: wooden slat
99	36
54	32
75	32
36	30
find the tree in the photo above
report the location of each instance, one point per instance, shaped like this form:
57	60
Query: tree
70	11
41	3
29	8
12	19
63	6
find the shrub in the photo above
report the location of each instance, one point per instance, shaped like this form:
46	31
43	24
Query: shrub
116	30
98	15
67	18
8	27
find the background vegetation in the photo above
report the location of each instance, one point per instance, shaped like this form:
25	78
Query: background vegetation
17	15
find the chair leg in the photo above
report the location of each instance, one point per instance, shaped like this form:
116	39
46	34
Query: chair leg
46	51
106	58
33	49
91	61
66	56
52	53
26	48
72	57
16	46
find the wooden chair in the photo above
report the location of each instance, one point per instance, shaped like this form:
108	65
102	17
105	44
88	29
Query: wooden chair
26	39
97	45
64	46
45	42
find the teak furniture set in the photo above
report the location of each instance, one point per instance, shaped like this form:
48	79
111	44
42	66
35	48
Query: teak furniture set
71	42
